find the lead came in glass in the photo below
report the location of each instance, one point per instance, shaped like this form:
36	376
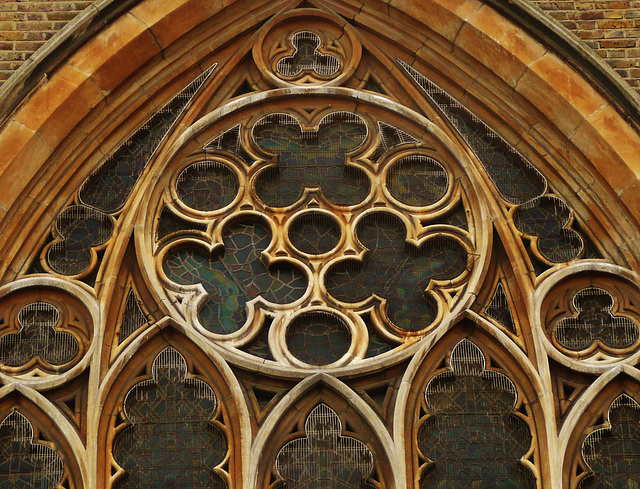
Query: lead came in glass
472	437
324	459
396	271
171	442
307	57
207	185
314	233
417	180
318	338
311	159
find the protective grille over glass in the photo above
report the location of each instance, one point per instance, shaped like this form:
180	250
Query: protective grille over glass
499	309
38	338
314	233
595	322
324	459
472	438
318	338
23	463
207	185
311	159
171	441
133	316
390	137
396	271
307	57
613	454
235	275
417	180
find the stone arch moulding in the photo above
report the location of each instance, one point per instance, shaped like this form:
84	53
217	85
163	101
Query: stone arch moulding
324	388
504	358
592	415
583	138
134	367
49	423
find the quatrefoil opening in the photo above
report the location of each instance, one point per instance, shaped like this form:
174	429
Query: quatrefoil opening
38	339
324	458
24	463
397	271
595	323
307	58
234	275
314	159
548	218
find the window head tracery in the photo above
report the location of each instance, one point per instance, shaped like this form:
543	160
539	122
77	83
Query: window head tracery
317	243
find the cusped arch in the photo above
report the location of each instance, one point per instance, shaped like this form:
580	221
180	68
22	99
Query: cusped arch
504	358
49	423
592	414
134	365
280	427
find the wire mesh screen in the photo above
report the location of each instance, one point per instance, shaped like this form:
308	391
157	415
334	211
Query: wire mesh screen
171	442
23	463
108	188
235	275
318	337
38	338
417	180
207	185
472	438
230	141
613	454
396	271
324	459
133	316
311	159
499	309
389	138
169	223
314	233
307	57
595	322
80	229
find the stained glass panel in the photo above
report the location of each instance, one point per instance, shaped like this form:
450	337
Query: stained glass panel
38	338
318	338
396	271
472	438
307	57
595	322
324	459
417	180
235	275
171	442
207	185
23	463
311	159
314	233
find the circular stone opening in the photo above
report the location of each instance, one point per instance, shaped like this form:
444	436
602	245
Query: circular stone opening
318	338
417	180
314	233
207	186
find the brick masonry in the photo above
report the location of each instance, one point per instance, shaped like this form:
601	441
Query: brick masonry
611	28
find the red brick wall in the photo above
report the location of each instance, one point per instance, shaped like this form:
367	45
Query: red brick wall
611	28
26	25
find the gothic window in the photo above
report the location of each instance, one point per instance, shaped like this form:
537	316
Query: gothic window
297	245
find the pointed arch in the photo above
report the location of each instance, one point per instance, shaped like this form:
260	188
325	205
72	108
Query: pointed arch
591	414
51	424
503	356
133	366
327	389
